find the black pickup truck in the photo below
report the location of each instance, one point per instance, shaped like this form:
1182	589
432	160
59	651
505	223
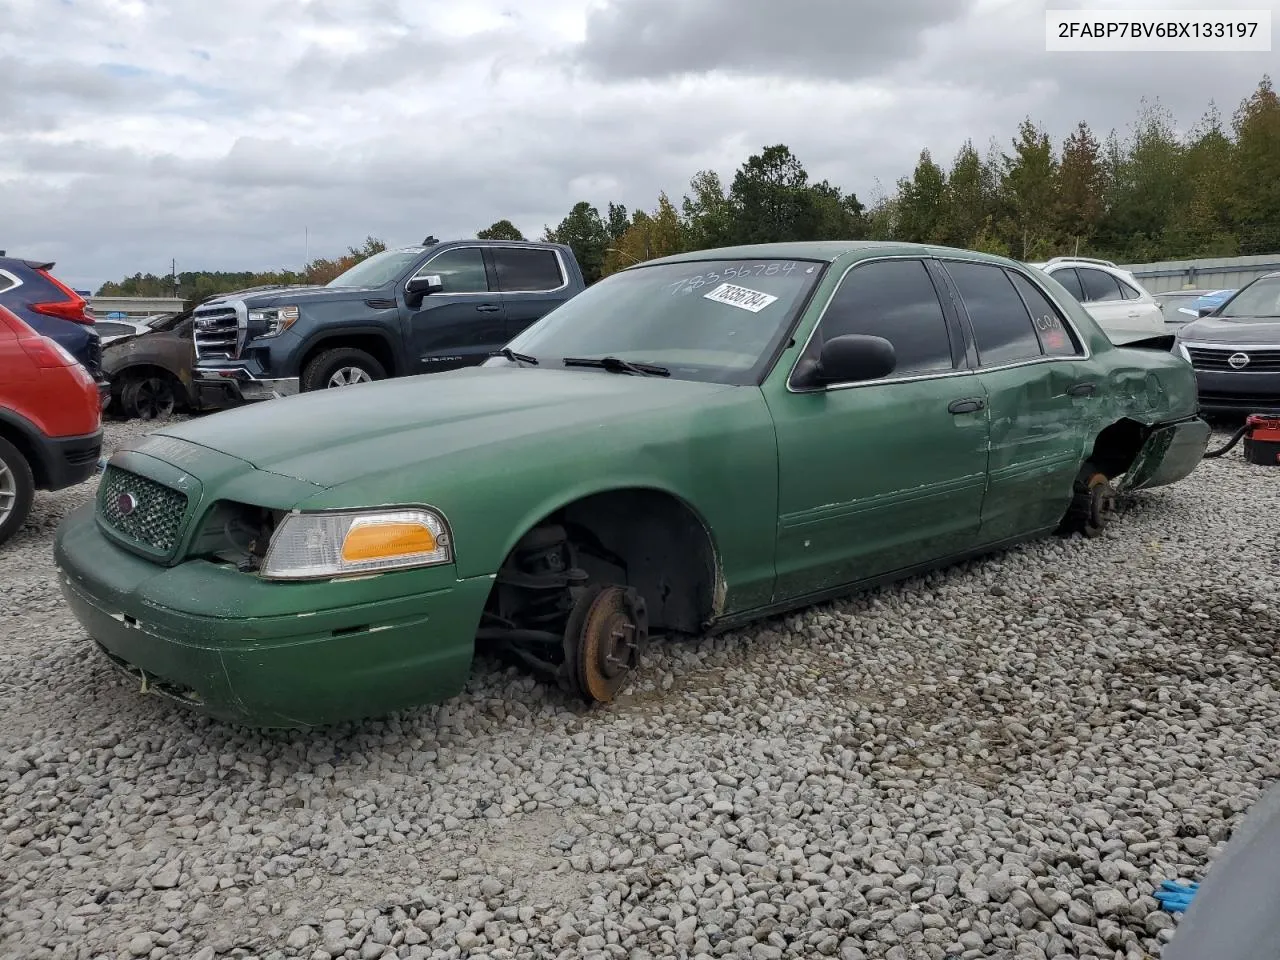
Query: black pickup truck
420	309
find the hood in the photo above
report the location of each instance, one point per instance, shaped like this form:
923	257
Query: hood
273	298
331	437
1215	330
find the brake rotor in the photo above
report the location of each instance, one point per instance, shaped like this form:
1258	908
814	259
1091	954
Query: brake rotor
602	641
1102	501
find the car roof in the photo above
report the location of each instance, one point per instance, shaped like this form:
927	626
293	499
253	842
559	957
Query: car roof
824	250
12	263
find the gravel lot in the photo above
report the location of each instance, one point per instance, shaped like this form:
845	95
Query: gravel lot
999	760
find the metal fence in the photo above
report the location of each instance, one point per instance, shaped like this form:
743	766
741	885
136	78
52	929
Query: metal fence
134	308
1215	274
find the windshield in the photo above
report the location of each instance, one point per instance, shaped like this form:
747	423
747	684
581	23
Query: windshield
378	270
712	320
1258	301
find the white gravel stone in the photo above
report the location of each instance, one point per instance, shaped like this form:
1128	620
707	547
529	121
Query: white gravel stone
1003	758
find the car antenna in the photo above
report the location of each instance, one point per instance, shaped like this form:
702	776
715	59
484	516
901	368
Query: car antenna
430	242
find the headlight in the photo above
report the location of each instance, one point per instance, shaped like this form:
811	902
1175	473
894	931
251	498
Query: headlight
1184	352
311	546
272	321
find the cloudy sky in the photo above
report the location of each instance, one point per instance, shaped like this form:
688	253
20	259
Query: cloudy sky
223	132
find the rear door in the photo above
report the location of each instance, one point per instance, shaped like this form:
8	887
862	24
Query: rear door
1039	388
1116	306
881	475
533	282
463	324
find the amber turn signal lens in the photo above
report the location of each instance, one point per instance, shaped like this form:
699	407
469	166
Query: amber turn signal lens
380	541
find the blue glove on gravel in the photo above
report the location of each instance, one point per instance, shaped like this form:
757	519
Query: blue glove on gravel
1176	897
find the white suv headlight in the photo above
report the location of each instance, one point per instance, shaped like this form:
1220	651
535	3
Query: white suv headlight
313	546
1183	351
276	320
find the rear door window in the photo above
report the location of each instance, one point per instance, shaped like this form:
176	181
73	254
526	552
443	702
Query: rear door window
1099	287
1002	327
527	270
1056	338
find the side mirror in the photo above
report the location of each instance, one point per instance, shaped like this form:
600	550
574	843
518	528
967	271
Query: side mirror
852	358
420	287
1205	311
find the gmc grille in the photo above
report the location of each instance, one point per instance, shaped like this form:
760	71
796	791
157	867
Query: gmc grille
1260	361
141	510
219	332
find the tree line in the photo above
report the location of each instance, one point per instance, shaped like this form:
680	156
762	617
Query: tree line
1155	193
197	286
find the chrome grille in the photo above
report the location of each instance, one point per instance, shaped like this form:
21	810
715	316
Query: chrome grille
141	510
219	331
1219	358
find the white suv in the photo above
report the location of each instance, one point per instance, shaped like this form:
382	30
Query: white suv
1113	296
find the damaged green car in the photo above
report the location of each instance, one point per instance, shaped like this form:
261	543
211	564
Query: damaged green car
691	444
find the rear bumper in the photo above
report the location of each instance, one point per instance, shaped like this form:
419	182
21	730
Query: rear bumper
222	386
1172	451
235	647
70	460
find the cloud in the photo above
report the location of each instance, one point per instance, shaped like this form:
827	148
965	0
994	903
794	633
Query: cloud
223	134
818	38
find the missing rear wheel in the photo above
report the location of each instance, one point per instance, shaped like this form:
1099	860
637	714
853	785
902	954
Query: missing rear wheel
1093	504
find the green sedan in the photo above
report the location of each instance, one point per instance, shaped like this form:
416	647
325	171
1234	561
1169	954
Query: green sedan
689	445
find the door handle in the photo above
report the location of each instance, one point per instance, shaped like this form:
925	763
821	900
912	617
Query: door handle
967	405
488	308
1083	389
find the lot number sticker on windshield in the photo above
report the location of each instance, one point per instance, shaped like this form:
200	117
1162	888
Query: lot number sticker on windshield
742	297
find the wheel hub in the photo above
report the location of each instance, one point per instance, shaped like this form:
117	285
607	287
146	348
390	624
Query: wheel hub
602	640
346	376
1102	503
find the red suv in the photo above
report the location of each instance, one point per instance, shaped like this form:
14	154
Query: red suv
50	420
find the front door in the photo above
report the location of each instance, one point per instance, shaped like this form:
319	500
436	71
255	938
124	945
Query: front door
464	324
881	476
1039	388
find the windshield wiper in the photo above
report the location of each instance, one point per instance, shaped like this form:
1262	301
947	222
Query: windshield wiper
514	357
617	365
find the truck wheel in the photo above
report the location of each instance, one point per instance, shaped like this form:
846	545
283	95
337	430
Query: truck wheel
341	367
17	487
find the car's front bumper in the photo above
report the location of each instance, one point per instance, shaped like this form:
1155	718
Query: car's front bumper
1238	391
320	653
220	386
69	460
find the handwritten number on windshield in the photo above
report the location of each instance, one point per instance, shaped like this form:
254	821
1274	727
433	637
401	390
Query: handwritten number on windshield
744	272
